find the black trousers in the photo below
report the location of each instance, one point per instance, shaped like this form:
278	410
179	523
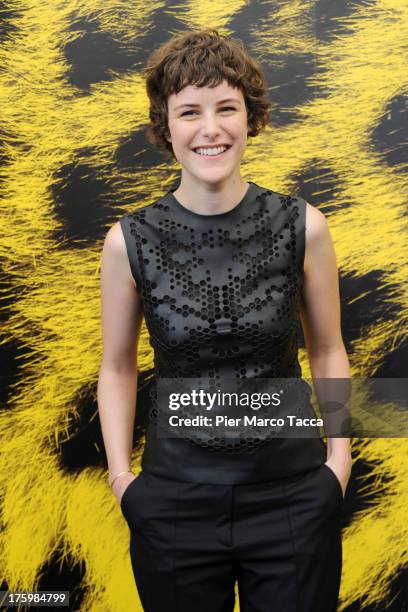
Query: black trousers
280	540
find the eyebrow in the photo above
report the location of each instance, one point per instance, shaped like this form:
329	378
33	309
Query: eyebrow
219	102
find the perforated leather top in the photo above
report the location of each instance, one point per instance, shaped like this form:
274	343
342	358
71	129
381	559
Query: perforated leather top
221	299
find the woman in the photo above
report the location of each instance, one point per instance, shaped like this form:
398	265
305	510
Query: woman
223	270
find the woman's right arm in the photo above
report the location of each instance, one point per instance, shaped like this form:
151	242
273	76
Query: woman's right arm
122	315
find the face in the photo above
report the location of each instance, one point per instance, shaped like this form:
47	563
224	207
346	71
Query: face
204	116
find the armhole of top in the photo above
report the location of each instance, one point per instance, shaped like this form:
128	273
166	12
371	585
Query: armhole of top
301	238
131	248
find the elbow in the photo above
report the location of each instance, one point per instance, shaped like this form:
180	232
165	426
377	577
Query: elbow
323	351
122	365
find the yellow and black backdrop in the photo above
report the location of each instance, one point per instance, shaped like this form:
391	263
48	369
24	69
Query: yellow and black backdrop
74	157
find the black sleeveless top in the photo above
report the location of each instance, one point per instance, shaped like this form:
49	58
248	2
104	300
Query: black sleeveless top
221	299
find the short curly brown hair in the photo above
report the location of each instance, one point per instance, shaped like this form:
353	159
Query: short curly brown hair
202	57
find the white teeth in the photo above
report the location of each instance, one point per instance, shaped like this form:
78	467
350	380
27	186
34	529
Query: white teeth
211	151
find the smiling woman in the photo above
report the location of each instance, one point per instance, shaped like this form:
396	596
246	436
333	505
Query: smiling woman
222	269
209	144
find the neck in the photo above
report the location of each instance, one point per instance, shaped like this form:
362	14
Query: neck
210	198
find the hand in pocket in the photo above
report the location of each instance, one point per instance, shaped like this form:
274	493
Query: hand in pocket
121	484
341	471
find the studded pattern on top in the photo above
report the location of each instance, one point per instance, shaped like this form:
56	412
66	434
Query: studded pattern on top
221	293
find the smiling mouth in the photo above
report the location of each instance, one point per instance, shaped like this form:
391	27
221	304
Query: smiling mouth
212	156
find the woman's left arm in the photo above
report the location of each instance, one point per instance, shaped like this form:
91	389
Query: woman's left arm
320	317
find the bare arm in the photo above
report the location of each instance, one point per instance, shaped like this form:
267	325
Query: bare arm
122	317
320	316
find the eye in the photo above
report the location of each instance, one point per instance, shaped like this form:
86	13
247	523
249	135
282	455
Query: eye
223	108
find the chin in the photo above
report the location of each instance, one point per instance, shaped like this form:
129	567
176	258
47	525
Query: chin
211	173
215	177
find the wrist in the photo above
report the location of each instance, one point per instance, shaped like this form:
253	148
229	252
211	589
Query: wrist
340	458
113	477
339	449
121	483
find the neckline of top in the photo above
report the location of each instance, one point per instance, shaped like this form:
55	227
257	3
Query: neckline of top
250	192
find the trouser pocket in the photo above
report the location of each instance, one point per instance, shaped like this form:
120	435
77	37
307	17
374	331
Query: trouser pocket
336	483
131	501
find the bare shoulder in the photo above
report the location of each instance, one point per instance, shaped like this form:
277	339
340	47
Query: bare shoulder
115	251
115	241
319	247
316	224
115	258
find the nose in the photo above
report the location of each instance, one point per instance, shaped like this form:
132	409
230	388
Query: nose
210	127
